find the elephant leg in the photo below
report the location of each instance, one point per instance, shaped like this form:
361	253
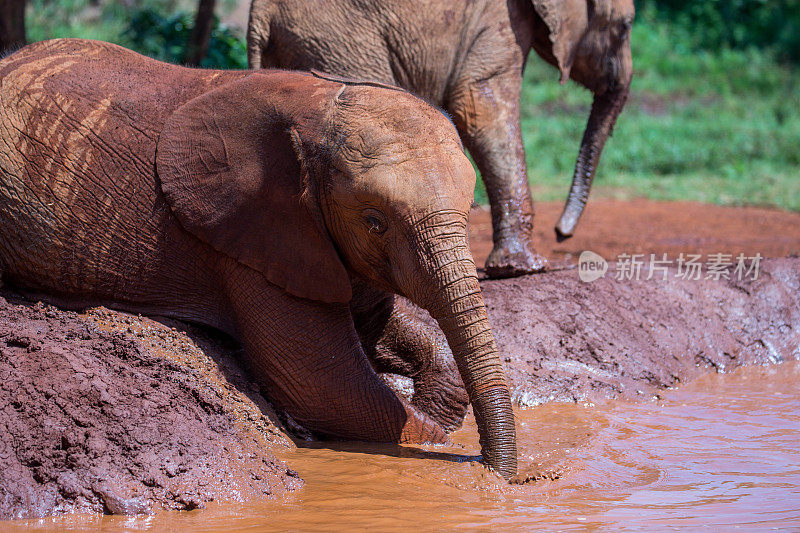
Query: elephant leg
397	341
308	359
486	114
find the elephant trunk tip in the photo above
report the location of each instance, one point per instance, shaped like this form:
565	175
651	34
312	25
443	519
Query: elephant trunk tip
565	228
561	235
499	448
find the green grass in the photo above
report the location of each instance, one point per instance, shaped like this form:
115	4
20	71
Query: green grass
721	128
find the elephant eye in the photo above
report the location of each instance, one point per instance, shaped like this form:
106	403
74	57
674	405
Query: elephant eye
375	221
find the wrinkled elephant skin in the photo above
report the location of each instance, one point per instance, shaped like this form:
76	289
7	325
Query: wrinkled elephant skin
265	204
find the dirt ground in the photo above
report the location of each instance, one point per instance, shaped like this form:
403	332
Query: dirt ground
566	340
107	412
612	227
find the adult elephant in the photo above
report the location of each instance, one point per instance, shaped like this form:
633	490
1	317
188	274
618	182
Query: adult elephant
269	205
468	57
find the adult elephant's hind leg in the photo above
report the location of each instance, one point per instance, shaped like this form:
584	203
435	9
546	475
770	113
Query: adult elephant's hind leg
308	358
486	114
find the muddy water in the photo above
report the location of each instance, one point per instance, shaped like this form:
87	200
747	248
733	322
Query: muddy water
721	451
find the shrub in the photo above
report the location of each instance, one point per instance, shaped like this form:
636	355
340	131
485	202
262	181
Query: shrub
738	24
166	38
157	28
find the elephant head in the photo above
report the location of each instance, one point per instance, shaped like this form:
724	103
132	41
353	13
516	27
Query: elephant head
589	41
311	181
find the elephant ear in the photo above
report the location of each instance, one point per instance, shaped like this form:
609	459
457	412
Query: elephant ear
232	173
567	21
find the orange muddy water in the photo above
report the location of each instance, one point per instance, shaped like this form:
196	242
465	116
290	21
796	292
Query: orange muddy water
722	451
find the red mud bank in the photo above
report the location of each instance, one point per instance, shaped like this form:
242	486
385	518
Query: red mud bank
566	340
106	412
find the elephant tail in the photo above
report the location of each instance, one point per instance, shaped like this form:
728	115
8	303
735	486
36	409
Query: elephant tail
258	33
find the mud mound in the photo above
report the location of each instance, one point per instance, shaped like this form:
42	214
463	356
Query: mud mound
105	412
612	227
562	339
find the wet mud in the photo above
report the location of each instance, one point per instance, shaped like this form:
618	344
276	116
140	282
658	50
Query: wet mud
566	340
727	460
107	412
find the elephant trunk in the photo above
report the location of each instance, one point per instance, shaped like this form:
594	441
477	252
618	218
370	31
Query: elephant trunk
451	293
606	108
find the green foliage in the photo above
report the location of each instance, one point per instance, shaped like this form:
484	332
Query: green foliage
48	19
166	37
159	36
226	49
766	24
157	29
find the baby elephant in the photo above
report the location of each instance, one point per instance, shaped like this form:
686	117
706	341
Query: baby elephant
282	208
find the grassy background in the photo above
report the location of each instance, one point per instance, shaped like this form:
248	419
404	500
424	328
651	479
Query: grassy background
712	117
711	126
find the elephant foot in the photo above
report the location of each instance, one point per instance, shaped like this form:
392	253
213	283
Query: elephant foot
439	391
514	258
436	390
442	398
421	429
